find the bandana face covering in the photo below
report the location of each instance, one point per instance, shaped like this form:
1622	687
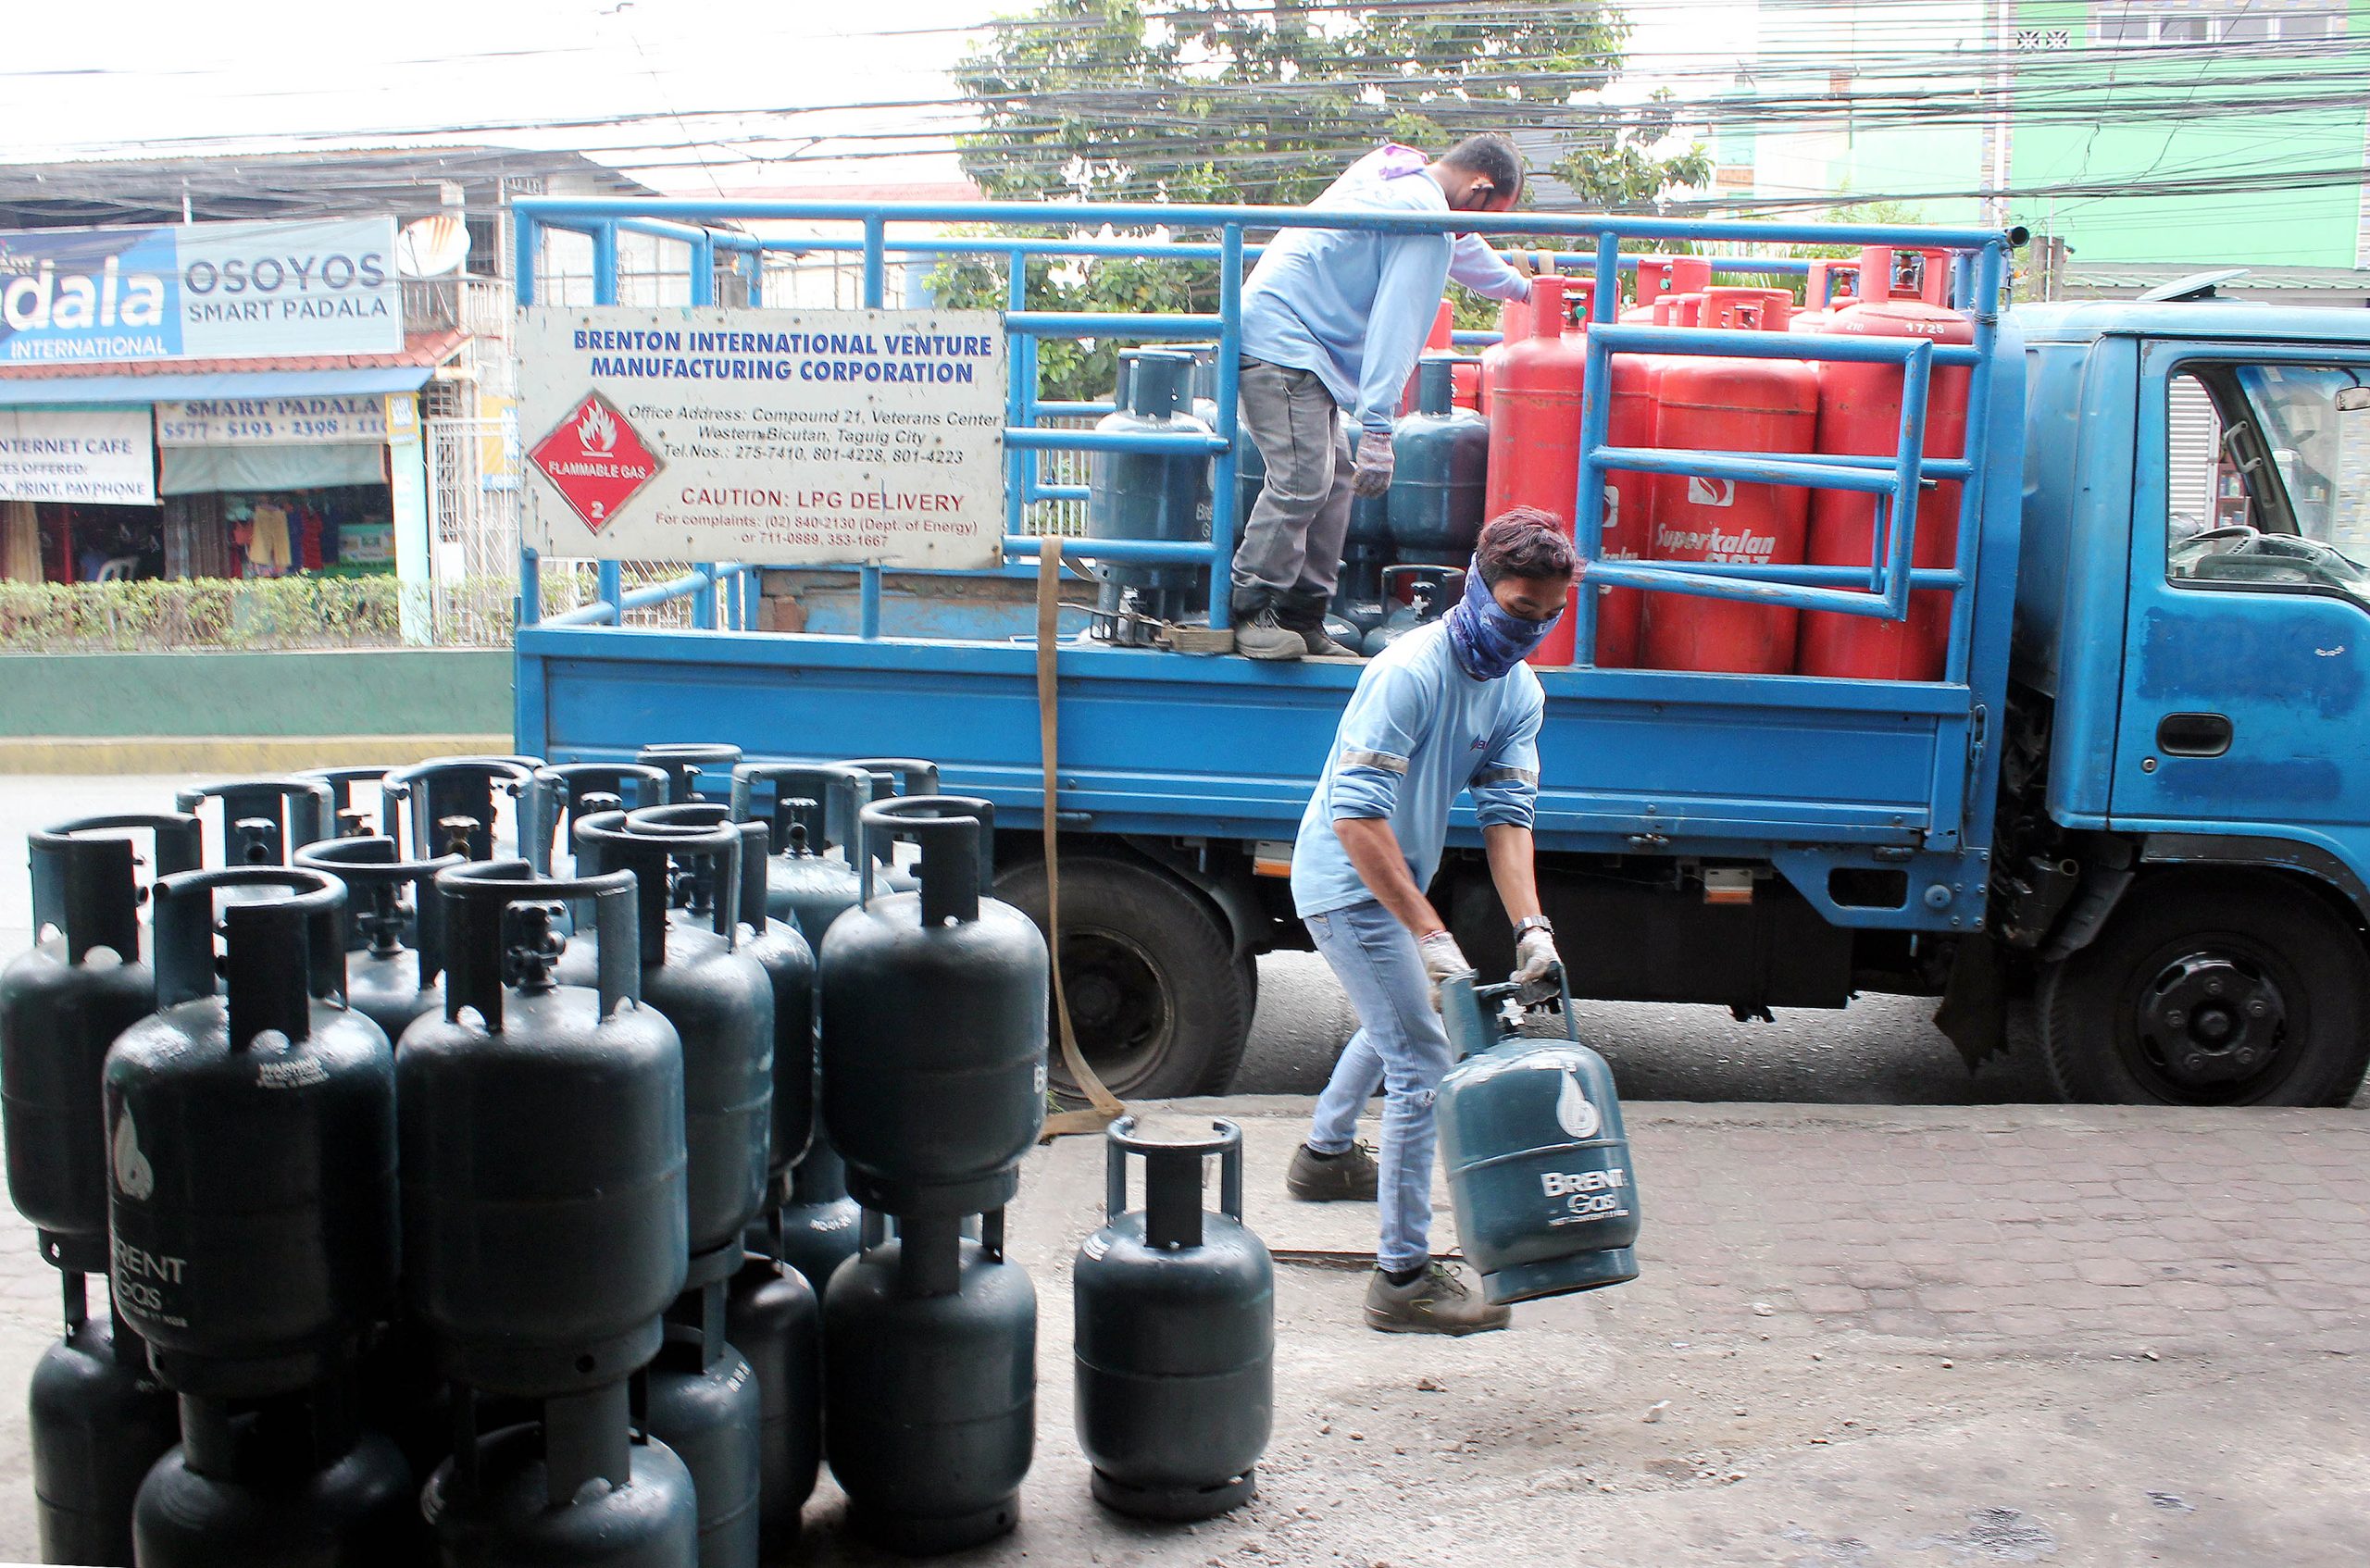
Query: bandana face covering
1487	640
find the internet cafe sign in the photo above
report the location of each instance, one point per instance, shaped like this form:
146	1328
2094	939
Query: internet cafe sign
200	291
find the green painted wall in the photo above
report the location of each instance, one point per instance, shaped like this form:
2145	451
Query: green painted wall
2192	119
367	691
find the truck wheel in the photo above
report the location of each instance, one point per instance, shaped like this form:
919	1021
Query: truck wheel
2210	988
1160	1002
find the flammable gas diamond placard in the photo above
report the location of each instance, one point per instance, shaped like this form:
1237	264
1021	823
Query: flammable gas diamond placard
595	460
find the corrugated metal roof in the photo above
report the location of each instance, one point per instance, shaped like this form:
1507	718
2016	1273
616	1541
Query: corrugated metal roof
2267	280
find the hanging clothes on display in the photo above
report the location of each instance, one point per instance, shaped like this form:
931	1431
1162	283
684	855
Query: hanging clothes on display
268	546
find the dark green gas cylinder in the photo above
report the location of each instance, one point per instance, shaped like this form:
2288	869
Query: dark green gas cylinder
252	1143
1432	592
721	1004
1175	1329
774	1320
933	1029
352	821
893	778
1149	495
812	811
1250	467
543	1144
788	964
98	1421
562	791
395	928
262	819
1538	1162
285	1484
434	793
62	1004
686	762
1441	453
1359	597
703	1402
929	1386
579	1488
820	1223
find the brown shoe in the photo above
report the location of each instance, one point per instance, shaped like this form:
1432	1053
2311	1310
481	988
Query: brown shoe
1436	1301
1347	1178
1260	637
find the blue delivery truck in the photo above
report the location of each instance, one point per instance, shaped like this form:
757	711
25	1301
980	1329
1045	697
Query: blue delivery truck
2136	801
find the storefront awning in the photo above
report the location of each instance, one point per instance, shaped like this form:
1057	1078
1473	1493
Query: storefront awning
60	391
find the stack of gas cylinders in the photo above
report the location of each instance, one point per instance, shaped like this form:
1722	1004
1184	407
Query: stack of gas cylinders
1477	437
454	1162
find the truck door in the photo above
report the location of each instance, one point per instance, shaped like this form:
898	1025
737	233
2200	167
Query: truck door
2246	685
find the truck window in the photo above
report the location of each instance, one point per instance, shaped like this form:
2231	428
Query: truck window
2269	476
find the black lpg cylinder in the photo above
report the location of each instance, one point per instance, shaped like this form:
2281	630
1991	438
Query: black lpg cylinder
99	1421
580	1489
788	964
262	820
543	1144
773	1319
62	1004
348	819
252	1143
569	791
395	928
721	1004
814	809
933	1030
1175	1329
286	1484
929	1387
705	1402
893	777
685	763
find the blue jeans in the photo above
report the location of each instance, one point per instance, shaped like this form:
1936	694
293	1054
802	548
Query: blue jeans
1402	1049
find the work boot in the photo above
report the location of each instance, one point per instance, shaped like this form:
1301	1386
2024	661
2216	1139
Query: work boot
1436	1301
1349	1176
1257	633
1302	611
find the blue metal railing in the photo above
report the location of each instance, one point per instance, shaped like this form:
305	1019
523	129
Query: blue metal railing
1881	589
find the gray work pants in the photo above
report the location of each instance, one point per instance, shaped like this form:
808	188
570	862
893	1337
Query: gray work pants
1294	537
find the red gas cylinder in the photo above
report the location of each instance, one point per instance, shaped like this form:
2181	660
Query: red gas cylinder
1535	415
1859	415
1831	286
1652	283
1514	327
1465	380
1729	405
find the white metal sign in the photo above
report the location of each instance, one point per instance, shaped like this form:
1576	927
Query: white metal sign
102	455
274	421
779	436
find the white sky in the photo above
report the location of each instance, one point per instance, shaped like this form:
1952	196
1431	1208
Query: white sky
163	76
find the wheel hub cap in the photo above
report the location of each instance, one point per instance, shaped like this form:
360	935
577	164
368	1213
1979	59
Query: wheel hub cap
2211	1019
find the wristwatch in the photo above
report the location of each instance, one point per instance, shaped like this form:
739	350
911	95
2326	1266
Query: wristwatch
1533	923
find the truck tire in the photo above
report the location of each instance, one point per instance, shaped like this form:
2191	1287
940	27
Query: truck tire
2210	988
1160	1002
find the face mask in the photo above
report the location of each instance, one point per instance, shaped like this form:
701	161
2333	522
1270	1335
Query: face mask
1486	639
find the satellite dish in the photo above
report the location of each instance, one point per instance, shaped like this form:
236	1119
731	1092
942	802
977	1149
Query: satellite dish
429	247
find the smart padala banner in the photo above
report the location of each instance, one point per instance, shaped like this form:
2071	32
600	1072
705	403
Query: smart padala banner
199	291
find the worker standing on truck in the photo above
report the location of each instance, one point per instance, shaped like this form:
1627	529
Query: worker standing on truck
1335	317
1451	706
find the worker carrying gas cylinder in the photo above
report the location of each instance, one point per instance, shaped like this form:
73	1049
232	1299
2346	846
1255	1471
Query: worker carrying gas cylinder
1335	318
1449	707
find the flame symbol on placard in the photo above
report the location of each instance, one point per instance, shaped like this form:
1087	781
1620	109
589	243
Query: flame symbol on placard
598	431
133	1176
1575	1110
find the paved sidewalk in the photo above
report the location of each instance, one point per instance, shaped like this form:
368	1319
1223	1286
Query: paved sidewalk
1864	1337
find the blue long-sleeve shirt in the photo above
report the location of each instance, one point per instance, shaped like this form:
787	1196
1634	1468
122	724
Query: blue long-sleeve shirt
1355	306
1418	731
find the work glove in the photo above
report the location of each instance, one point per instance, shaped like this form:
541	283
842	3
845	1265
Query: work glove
1372	476
1442	960
1539	968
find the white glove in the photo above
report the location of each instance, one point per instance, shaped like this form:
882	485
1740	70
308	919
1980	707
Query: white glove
1442	960
1535	960
1371	477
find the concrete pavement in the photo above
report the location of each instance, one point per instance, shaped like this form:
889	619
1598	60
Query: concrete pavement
1864	1337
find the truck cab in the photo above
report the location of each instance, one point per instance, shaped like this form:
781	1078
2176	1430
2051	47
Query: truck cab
2184	834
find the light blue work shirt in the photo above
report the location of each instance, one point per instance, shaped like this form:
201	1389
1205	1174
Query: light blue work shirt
1418	731
1355	307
